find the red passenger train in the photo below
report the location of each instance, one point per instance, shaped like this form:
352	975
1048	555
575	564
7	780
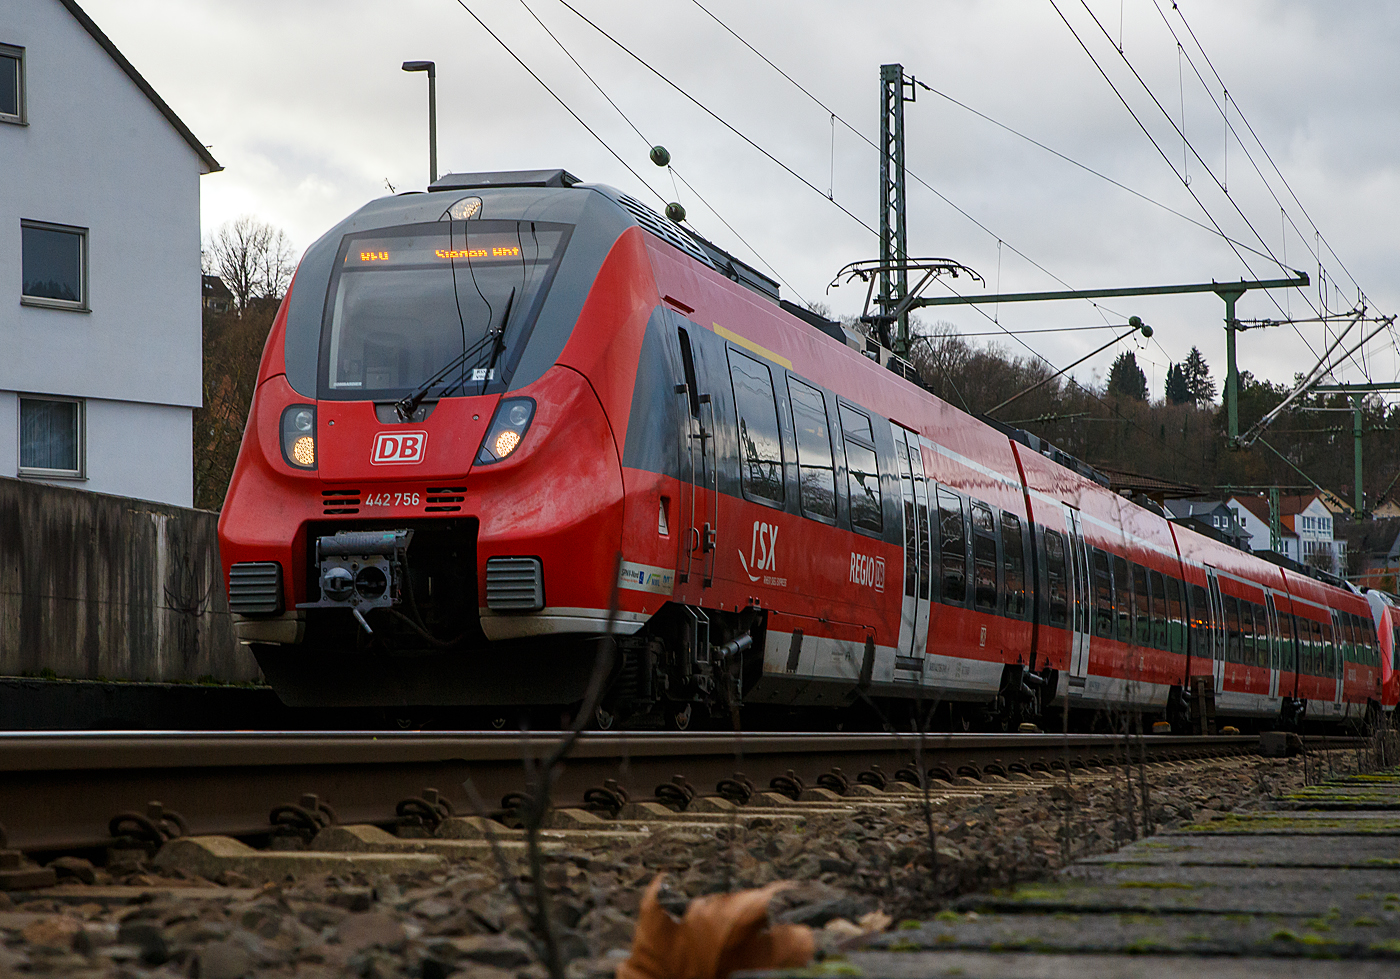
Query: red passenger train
489	413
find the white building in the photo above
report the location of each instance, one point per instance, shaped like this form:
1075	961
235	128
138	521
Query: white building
100	361
1305	524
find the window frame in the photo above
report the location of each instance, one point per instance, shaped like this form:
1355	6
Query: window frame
942	493
1013	565
36	472
746	467
20	118
82	305
866	442
1051	570
797	439
985	535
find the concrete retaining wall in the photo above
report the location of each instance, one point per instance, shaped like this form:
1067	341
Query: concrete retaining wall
105	586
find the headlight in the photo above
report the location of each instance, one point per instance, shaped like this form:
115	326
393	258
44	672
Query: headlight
299	436
507	429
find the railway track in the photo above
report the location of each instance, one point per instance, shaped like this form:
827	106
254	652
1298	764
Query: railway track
62	791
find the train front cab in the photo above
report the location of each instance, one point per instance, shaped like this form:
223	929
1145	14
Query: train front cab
499	489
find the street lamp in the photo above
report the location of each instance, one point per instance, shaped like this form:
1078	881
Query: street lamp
431	69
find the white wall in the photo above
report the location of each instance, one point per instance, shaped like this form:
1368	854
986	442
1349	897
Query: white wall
131	449
97	154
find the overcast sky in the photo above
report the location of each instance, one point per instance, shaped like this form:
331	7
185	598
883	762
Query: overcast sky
305	106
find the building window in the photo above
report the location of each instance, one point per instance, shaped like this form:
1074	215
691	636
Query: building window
50	437
54	265
11	84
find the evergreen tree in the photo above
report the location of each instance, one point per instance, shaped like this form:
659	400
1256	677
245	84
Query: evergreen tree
1198	379
1178	391
1126	378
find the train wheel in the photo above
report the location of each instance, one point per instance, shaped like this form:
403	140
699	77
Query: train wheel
498	722
679	720
604	720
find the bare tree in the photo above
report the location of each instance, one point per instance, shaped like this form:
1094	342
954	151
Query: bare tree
253	258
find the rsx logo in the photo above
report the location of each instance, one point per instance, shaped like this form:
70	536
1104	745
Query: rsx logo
763	552
396	448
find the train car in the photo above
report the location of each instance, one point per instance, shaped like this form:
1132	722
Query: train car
1385	617
500	419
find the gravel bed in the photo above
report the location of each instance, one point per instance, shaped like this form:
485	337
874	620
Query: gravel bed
852	872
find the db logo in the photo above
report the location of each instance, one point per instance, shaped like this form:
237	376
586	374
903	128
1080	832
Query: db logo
395	448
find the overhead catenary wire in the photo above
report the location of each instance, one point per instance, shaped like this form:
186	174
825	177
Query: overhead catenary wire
674	173
1167	115
1264	149
1196	197
1223	108
577	118
715	116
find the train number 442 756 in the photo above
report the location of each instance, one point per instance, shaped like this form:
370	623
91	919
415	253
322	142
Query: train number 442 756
391	499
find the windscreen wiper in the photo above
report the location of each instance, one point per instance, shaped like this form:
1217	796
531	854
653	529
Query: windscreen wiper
407	405
500	340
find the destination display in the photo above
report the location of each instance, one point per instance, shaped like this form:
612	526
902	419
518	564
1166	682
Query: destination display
419	250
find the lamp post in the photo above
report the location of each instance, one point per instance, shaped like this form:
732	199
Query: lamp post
431	69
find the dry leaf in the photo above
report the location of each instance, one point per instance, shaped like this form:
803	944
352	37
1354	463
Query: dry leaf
719	934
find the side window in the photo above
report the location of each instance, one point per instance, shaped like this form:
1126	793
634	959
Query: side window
1395	646
760	447
816	474
53	265
984	557
911	518
1013	560
1287	656
1159	610
1142	608
1122	603
1055	579
1103	593
51	438
862	472
1200	623
1315	658
692	387
11	84
1252	631
952	546
1329	649
1232	629
1176	622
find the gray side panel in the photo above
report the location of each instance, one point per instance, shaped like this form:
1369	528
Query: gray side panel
657	419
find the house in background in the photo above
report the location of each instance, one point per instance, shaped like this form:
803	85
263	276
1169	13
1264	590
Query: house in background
1215	519
1373	551
99	259
1306	525
217	298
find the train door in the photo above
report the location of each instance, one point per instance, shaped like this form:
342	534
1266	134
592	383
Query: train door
914	615
1275	641
1079	602
698	507
1217	629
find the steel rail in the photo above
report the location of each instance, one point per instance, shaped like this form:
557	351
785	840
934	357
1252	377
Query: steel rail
58	790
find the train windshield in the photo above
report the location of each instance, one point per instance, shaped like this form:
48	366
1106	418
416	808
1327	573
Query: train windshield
408	303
